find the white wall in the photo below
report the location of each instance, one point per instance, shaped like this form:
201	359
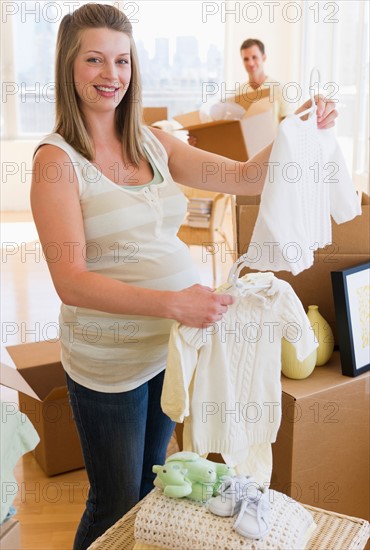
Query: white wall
275	28
16	167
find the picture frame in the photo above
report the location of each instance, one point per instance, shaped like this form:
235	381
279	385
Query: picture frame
351	291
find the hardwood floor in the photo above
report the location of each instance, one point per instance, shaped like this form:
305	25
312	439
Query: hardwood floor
48	508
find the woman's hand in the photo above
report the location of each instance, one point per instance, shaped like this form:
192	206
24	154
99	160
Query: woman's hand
326	113
199	306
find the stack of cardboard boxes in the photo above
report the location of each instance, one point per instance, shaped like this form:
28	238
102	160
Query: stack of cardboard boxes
322	453
350	247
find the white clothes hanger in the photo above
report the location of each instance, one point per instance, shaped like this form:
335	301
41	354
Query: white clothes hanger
263	280
251	280
311	109
236	269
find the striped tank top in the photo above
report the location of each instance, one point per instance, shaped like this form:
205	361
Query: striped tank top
131	236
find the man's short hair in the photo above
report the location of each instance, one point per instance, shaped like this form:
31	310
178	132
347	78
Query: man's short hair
253	42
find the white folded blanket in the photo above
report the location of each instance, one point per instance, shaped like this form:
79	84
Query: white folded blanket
178	524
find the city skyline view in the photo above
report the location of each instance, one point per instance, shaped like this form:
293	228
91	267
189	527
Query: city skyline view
174	62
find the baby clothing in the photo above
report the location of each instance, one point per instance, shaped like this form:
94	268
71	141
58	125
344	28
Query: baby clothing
307	181
256	458
131	236
223	381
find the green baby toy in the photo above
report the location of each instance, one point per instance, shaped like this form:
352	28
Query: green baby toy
186	474
171	478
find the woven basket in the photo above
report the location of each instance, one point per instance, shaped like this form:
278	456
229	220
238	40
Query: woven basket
334	532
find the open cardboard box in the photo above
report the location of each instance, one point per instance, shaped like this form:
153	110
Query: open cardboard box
235	139
350	247
40	380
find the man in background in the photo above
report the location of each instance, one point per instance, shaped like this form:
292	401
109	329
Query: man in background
260	95
253	55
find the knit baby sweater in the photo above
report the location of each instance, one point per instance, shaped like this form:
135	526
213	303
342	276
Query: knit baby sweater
223	380
307	181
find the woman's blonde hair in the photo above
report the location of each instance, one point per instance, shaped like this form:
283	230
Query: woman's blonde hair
69	118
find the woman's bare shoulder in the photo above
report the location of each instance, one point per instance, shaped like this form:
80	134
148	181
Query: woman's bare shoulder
168	141
48	152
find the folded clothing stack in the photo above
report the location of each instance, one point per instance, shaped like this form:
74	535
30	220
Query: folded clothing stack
199	212
178	524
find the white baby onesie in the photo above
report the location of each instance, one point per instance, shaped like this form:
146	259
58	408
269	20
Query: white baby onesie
307	181
223	381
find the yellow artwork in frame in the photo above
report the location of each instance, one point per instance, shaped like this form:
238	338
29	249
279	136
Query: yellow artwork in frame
351	290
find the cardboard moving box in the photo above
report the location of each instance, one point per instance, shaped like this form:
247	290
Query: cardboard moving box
154	114
235	139
223	137
321	455
322	451
40	381
350	247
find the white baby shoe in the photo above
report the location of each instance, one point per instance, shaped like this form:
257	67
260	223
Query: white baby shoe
254	517
232	491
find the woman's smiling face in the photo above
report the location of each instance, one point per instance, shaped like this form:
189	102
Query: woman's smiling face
102	69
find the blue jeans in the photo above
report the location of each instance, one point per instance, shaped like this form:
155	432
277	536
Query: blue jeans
122	435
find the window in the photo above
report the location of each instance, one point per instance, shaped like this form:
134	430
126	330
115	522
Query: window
336	40
28	88
176	58
179	53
